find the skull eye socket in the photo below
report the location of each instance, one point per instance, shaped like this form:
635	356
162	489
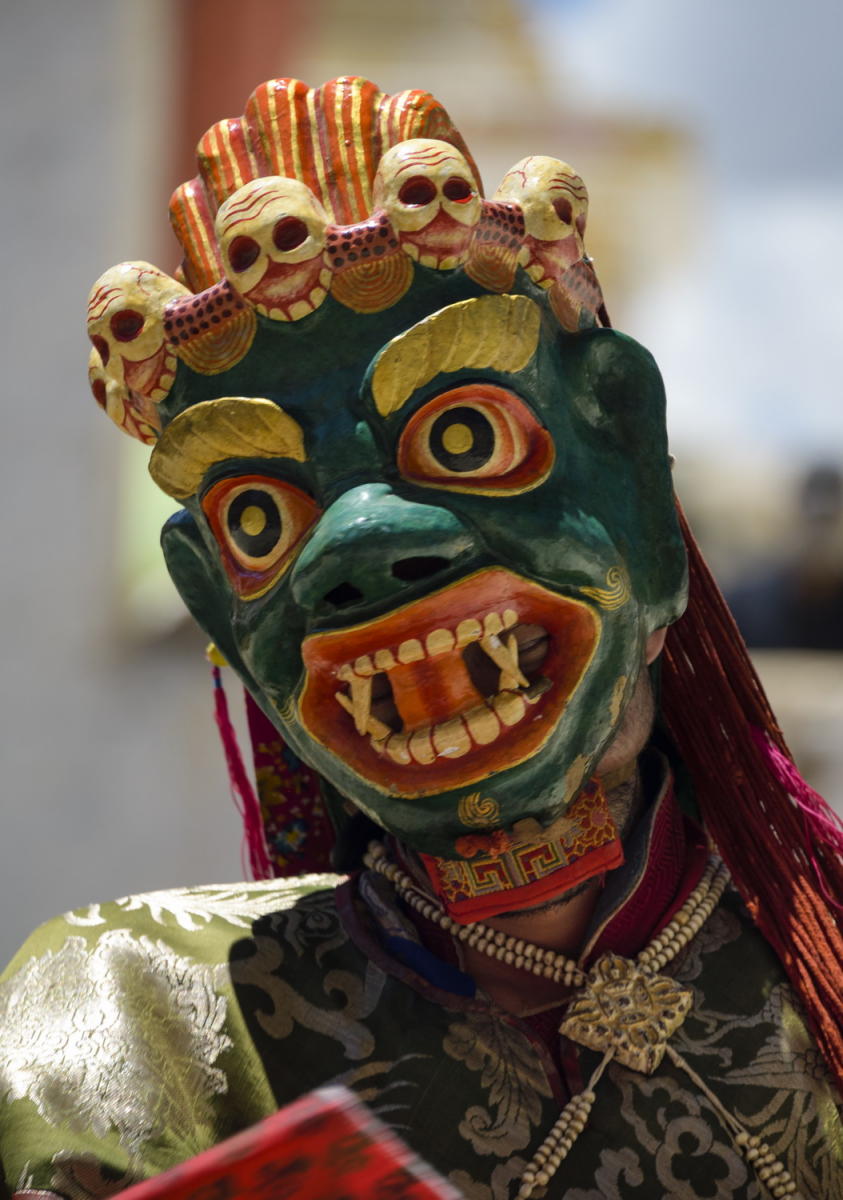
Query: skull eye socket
458	190
242	252
100	395
102	348
478	438
258	522
417	191
126	325
289	233
563	210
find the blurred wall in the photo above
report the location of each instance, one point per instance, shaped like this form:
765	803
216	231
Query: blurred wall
113	780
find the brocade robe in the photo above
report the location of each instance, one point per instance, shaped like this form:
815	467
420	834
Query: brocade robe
138	1033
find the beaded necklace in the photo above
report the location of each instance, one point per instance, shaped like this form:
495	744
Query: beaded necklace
624	1009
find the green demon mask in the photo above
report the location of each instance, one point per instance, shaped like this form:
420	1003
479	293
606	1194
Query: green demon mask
428	516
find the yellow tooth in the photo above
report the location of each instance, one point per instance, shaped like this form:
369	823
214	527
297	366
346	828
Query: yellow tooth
345	672
482	724
510	618
363	665
492	624
429	260
384	660
451	739
410	651
397	750
503	657
410	249
361	701
421	745
509	706
376	728
317	296
440	641
508	682
468	631
378	744
301	308
326	278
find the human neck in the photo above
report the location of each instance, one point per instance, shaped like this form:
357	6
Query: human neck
560	924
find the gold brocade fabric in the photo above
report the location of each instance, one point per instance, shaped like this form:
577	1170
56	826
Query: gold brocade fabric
136	1034
118	1031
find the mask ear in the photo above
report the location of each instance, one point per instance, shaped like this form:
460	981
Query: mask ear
621	401
201	585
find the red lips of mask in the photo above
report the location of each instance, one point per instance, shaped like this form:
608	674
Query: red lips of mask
445	691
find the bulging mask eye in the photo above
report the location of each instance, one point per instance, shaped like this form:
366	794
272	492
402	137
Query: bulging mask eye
476	438
258	521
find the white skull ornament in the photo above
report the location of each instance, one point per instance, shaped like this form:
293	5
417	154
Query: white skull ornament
432	199
131	367
271	236
554	202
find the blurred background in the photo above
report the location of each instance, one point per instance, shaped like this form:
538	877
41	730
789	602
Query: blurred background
708	134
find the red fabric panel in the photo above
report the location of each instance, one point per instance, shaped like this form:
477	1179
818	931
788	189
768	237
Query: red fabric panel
325	1146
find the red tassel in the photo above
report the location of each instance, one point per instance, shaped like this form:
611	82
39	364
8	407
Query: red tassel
819	822
779	839
242	791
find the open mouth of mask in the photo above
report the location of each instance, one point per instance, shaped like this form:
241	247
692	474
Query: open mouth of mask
444	691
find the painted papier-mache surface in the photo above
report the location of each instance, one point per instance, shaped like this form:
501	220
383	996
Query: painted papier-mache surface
428	520
387	427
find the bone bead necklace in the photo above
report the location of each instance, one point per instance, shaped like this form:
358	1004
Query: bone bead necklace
601	1017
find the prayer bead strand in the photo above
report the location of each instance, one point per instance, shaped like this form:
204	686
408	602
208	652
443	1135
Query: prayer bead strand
547	964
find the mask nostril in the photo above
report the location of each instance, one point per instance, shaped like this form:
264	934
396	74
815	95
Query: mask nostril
421	566
343	594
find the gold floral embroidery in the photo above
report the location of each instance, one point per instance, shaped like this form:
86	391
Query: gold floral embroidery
281	1007
512	1077
196	907
123	1035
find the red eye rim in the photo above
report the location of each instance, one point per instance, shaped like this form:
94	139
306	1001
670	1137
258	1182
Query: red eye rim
295	508
532	467
458	190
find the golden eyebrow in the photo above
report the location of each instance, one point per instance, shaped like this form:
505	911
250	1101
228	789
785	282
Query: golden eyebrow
215	430
489	331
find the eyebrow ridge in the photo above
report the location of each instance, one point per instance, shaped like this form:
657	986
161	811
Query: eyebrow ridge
501	332
213	431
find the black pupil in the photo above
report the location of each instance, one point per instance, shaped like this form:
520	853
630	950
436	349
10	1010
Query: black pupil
462	439
254	523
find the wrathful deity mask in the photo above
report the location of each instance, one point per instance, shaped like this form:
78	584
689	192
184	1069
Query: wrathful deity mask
428	515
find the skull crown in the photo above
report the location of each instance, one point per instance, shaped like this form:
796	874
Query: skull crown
262	245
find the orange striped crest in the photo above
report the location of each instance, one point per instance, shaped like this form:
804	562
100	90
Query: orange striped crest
331	138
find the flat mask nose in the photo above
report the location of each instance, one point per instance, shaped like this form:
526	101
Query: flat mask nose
370	545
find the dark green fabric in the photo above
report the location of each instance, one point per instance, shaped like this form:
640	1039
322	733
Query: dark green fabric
140	1032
